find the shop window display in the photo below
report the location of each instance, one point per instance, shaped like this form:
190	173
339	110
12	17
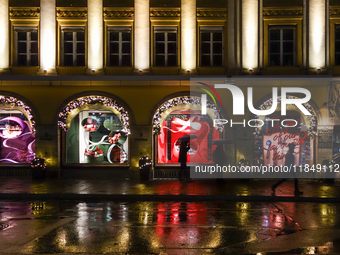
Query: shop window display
96	137
271	143
180	123
17	137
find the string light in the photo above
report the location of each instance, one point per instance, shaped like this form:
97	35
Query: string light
14	102
91	100
312	129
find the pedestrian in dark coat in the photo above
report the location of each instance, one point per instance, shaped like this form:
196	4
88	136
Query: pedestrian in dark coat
289	162
183	158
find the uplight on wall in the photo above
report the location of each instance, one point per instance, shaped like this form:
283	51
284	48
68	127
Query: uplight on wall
317	32
4	34
142	34
47	34
249	33
95	34
188	33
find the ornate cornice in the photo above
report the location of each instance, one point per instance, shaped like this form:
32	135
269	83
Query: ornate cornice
212	13
75	13
334	10
118	13
24	13
291	11
165	12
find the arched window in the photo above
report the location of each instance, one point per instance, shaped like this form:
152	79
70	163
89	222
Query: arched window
97	131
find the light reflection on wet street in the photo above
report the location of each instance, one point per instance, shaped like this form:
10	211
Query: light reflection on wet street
168	227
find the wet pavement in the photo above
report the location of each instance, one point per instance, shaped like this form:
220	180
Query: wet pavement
197	190
91	221
70	227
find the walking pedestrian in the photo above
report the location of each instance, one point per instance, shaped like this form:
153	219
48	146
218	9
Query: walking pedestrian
184	147
289	161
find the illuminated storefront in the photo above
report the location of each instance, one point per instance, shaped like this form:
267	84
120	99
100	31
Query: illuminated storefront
277	132
179	117
97	131
17	134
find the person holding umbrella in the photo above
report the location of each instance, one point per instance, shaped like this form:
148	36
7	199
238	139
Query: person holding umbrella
184	147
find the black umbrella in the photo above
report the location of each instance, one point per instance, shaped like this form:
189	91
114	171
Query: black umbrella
222	141
187	138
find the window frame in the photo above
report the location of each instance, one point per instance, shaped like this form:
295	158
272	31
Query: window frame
165	23
74	53
26	23
166	30
283	22
211	29
281	40
80	23
120	30
334	22
28	30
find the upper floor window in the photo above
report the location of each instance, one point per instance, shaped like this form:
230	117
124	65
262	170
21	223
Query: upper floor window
211	46
337	45
282	45
73	46
165	46
26	46
119	46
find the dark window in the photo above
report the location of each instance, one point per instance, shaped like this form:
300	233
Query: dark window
211	46
165	46
281	46
119	46
26	46
337	45
73	47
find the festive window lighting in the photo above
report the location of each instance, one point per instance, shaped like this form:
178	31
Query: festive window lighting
13	102
91	100
186	100
311	124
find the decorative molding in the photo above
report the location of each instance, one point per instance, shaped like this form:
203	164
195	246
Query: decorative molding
212	13
67	13
24	12
291	11
165	12
118	13
325	137
334	10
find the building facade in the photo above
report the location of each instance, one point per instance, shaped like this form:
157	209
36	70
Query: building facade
94	85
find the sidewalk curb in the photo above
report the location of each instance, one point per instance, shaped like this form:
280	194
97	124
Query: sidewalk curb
161	198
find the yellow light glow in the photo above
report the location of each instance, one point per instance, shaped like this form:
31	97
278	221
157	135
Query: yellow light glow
317	32
188	34
142	34
95	34
4	34
250	33
47	35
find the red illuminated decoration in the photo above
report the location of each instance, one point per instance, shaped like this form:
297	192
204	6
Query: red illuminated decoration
275	144
184	123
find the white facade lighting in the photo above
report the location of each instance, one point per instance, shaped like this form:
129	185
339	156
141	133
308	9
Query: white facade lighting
142	34
188	34
95	34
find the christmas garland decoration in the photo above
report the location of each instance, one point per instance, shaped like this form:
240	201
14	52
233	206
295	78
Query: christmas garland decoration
14	102
92	100
311	131
185	100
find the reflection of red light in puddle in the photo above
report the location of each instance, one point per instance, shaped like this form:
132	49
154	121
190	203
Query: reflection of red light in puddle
186	213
